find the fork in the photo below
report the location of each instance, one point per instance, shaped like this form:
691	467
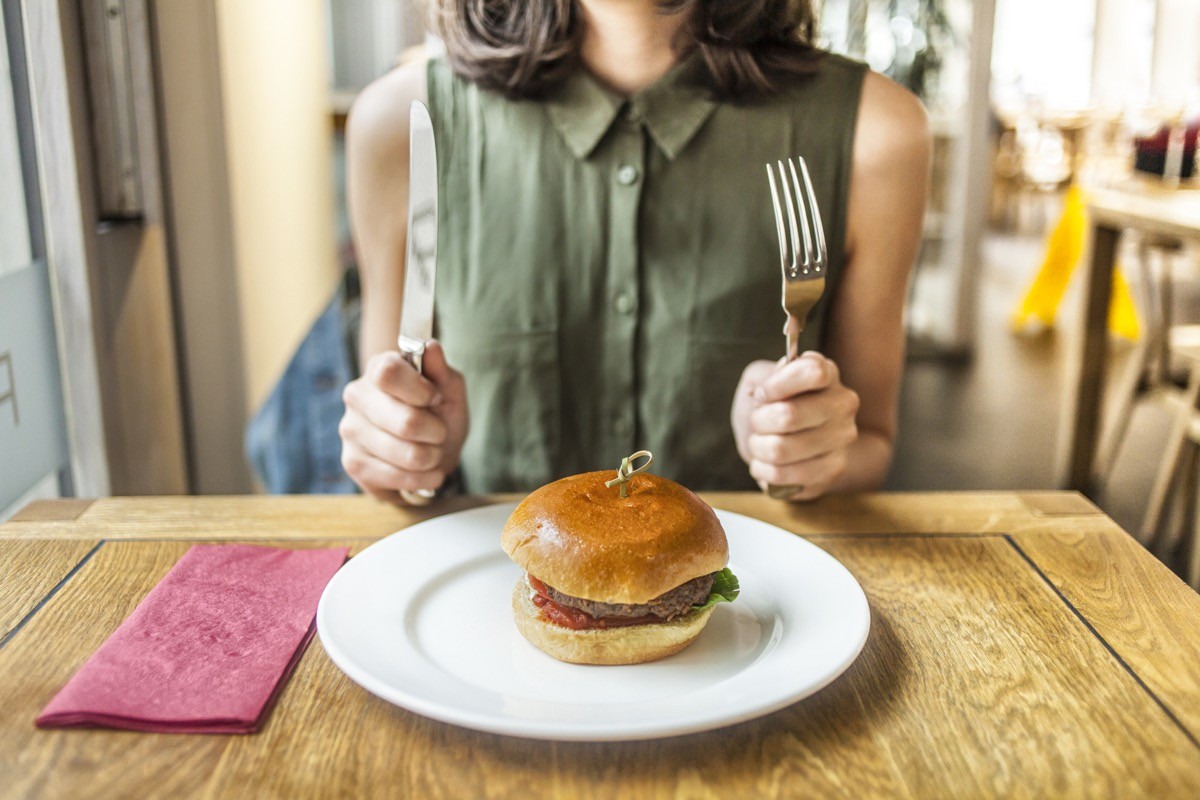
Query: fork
803	258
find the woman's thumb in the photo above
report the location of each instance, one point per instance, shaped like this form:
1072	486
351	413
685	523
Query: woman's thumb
439	371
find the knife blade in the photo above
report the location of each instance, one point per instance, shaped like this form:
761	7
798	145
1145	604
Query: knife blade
420	268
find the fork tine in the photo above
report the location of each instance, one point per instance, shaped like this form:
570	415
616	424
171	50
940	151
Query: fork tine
810	255
793	225
818	228
783	255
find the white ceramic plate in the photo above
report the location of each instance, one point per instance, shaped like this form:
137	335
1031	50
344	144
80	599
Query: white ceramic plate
423	619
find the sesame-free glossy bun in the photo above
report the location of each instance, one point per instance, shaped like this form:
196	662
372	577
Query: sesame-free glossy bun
634	644
585	540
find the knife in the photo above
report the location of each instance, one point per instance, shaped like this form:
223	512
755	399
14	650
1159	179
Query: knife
420	269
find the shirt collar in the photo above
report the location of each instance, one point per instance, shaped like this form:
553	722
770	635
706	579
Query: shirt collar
673	109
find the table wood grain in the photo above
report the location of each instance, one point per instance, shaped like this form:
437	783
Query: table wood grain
1021	645
1107	580
29	572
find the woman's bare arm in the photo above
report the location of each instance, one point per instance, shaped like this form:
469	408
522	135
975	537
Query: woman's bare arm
377	198
402	431
828	422
866	336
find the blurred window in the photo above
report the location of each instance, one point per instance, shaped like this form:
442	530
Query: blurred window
1052	57
33	450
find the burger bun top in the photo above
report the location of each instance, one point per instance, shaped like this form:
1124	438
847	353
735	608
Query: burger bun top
584	539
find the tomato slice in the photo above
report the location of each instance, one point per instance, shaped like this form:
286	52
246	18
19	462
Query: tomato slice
578	620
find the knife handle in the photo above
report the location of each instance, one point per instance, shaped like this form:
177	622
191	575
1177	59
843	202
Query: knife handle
421	497
413	351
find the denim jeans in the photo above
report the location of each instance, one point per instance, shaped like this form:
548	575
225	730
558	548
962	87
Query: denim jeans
292	441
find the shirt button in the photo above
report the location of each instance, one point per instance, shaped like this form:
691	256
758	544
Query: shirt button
621	426
627	175
624	303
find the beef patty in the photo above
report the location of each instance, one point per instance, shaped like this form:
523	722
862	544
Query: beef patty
674	603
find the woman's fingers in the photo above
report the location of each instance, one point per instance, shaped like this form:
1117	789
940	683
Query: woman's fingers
802	426
375	475
811	372
402	431
399	379
814	474
399	419
805	411
410	455
781	449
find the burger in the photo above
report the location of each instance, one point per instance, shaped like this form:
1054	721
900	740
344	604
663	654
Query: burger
616	576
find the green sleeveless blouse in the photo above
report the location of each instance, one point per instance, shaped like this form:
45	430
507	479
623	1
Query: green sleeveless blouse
607	266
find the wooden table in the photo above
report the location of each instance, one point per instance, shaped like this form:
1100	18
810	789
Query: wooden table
1021	645
1150	210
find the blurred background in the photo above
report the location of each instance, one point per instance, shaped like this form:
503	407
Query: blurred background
173	222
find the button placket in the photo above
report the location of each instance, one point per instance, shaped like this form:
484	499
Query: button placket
624	283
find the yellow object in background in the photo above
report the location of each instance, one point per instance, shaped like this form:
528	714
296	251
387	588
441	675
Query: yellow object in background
1064	248
1122	313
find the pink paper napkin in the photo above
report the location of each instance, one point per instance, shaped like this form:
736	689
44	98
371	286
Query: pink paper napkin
208	649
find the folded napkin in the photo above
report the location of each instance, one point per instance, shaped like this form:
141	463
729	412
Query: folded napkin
208	649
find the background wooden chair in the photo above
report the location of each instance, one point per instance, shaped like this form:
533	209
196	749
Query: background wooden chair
1170	527
1147	374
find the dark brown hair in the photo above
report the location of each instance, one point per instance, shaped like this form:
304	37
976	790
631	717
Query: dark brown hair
524	47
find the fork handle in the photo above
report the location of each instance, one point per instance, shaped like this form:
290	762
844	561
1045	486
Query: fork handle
792	333
782	492
792	328
793	344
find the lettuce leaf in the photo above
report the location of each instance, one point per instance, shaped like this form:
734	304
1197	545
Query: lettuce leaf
725	589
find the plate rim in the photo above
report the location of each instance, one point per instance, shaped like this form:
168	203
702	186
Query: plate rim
564	731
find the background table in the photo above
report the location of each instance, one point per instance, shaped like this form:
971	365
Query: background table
1151	210
1020	645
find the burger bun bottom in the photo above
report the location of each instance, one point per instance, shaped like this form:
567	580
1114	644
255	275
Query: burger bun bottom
633	644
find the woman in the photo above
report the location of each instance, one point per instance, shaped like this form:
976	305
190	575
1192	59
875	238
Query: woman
608	273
